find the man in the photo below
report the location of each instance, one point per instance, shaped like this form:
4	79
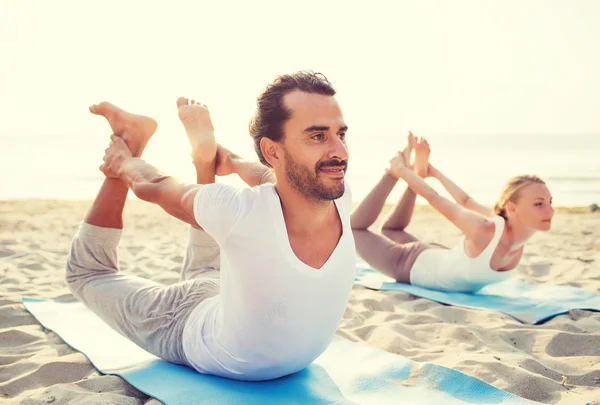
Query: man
285	250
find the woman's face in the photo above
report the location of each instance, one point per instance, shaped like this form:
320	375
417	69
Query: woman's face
534	207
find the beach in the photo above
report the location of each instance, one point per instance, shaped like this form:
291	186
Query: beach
498	90
37	367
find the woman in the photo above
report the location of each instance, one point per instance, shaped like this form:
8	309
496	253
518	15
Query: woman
493	239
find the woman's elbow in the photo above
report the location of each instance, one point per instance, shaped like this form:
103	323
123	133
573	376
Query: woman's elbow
466	202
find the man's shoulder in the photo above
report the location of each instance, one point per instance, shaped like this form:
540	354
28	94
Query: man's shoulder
263	192
248	192
221	196
249	197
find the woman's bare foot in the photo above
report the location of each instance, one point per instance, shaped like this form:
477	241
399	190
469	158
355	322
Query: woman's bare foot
422	151
410	144
199	128
136	130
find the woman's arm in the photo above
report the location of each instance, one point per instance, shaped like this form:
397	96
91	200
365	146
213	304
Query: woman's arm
474	226
459	195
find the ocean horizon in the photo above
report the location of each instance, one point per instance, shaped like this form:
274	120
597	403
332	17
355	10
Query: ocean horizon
65	167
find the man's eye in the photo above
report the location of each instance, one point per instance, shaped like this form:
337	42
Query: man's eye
318	137
342	136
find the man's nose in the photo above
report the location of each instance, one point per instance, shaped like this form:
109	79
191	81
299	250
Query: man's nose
338	149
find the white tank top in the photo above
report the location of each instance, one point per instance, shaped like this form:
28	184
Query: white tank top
453	270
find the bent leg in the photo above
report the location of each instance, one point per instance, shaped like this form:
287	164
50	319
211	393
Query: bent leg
369	209
392	259
402	213
151	315
398	220
399	236
202	257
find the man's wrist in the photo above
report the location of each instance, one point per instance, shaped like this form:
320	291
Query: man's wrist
123	168
266	177
235	164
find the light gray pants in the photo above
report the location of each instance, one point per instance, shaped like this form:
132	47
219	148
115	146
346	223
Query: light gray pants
150	314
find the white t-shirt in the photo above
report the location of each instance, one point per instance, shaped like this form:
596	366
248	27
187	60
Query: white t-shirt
275	314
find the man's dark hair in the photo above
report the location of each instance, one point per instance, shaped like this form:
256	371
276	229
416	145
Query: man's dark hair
271	113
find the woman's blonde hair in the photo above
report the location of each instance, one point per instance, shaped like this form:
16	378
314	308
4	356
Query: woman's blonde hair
512	190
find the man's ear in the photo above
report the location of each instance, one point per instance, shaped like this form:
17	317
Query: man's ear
271	150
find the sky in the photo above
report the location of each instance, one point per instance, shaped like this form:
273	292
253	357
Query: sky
433	66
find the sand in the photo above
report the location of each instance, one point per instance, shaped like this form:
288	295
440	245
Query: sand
37	367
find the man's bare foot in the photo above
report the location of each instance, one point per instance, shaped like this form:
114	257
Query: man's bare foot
422	151
136	130
199	128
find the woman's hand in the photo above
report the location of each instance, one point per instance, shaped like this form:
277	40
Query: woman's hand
398	166
431	171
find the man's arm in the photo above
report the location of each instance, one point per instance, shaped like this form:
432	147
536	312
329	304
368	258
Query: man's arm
253	173
149	184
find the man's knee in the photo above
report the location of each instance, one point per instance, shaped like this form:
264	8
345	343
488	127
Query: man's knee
74	280
77	274
87	263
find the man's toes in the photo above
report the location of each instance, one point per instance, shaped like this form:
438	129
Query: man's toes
106	109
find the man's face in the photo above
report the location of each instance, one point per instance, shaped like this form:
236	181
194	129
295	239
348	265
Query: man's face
314	144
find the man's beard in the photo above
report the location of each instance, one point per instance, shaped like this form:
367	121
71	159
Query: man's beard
308	182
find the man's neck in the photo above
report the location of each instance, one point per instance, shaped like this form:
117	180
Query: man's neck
303	215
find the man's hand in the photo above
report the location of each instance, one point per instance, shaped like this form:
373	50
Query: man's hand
114	156
225	161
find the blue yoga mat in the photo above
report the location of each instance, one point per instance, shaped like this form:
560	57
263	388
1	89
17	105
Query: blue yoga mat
524	302
347	373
